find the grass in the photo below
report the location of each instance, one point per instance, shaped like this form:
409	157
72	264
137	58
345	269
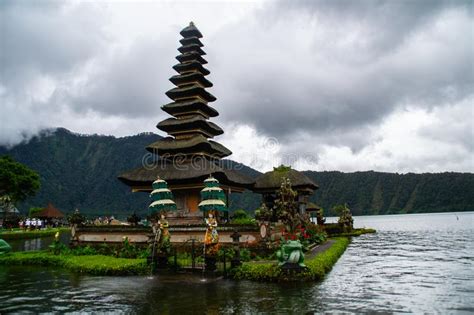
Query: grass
90	264
21	234
318	266
355	232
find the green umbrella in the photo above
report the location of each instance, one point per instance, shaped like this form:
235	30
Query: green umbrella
212	196
162	197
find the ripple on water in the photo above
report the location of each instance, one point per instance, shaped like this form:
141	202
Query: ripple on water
414	264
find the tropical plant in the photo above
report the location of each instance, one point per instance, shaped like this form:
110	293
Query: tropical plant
17	180
33	211
286	208
76	218
345	216
241	217
263	213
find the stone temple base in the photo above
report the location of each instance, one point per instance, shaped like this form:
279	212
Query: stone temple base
144	235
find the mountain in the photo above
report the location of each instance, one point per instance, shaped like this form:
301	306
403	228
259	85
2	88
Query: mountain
388	193
80	171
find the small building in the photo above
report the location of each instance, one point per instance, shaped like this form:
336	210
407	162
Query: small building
269	183
50	212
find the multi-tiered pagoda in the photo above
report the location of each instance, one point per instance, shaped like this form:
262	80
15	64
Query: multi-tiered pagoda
190	129
188	155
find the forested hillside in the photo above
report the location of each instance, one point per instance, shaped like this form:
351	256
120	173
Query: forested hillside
80	171
386	193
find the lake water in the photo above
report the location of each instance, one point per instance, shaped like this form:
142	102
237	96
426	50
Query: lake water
41	243
415	263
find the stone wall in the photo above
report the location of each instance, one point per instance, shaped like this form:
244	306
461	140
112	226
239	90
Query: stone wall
142	235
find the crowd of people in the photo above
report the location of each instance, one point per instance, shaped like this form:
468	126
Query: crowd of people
37	224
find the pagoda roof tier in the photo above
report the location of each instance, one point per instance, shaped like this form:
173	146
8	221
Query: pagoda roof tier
191	56
174	175
196	145
190	107
175	126
190	91
181	79
191	66
191	48
190	31
191	40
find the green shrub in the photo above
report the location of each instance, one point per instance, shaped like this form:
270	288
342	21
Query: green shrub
229	253
355	232
244	221
318	266
91	264
245	254
83	250
322	263
240	214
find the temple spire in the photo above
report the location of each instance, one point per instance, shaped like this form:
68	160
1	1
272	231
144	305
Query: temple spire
189	129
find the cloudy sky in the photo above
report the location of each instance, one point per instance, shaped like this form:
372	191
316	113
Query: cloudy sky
322	85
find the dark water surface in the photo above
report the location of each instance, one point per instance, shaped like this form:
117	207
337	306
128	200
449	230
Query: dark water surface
415	263
40	243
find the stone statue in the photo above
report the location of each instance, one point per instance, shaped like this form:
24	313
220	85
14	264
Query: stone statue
164	240
4	247
290	255
211	239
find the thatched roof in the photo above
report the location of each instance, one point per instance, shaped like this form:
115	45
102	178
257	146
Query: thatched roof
192	47
189	56
310	206
189	106
187	172
191	40
173	125
191	145
49	212
194	76
271	181
190	66
190	91
190	31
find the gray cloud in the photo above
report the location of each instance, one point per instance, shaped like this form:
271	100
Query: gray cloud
130	83
296	73
328	71
46	38
388	22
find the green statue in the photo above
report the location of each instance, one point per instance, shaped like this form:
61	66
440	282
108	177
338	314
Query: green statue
4	247
291	252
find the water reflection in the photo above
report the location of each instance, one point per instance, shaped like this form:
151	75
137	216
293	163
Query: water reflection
415	263
42	243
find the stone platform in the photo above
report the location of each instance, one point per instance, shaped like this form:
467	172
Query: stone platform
141	235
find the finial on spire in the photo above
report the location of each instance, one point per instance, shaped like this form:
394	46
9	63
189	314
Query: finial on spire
191	23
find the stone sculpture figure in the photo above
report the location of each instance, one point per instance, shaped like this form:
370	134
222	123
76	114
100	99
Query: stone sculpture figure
290	255
4	247
211	239
164	240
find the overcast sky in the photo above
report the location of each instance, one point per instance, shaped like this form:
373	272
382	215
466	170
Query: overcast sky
321	85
